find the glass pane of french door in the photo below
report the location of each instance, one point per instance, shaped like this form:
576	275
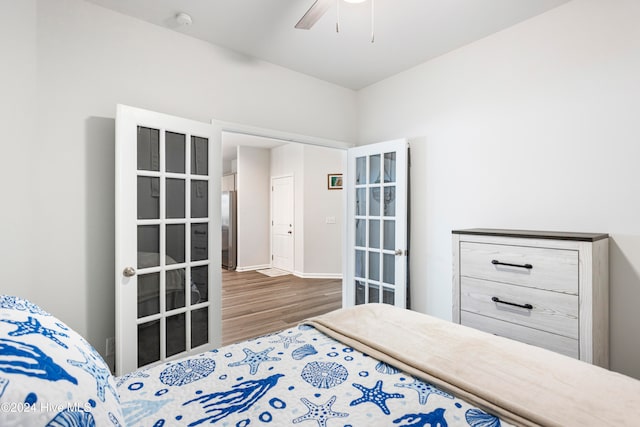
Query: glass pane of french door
377	224
173	231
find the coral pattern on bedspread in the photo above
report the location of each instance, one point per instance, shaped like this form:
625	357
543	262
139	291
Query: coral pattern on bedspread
295	377
49	374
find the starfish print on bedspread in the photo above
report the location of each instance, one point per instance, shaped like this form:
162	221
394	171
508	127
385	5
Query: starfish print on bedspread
255	359
376	396
287	340
33	326
319	413
424	390
100	374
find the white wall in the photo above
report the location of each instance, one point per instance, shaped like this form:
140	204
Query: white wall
58	235
318	245
323	242
535	127
253	210
19	241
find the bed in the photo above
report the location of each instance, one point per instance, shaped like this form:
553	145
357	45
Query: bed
370	365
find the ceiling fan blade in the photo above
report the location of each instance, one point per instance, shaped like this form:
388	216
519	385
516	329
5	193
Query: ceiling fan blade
314	13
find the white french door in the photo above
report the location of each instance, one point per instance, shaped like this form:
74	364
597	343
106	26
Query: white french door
168	249
282	214
377	177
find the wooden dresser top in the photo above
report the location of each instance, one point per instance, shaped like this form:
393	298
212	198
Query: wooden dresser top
534	234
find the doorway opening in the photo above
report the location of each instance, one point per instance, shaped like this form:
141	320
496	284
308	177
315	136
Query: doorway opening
288	220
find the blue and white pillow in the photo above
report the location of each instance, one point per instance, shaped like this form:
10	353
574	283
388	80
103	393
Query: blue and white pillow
49	375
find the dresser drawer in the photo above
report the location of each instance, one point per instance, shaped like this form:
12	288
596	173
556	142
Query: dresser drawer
550	269
563	345
551	311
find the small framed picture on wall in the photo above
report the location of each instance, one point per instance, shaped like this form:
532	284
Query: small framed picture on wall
334	181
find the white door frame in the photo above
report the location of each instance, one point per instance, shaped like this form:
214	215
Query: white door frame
278	134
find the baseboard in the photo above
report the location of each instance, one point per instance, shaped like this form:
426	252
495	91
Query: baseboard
252	268
318	275
295	273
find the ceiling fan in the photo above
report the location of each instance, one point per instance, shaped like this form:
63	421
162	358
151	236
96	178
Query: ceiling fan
315	12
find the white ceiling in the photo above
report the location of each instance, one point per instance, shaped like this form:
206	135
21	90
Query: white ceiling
407	32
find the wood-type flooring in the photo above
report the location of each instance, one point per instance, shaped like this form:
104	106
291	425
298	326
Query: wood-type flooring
254	304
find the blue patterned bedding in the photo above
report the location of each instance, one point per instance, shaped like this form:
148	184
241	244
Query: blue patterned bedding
51	377
297	376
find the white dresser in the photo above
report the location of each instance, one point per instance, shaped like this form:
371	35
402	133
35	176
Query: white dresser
549	289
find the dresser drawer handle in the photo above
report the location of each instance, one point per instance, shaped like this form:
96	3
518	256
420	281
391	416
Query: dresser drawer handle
527	306
527	266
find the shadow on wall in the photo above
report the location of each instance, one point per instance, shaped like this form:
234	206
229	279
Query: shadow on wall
624	296
100	231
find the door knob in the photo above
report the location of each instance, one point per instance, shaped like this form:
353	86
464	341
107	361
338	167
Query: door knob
129	272
290	232
398	252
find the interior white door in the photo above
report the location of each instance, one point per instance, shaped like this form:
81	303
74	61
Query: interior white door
168	249
376	264
282	214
